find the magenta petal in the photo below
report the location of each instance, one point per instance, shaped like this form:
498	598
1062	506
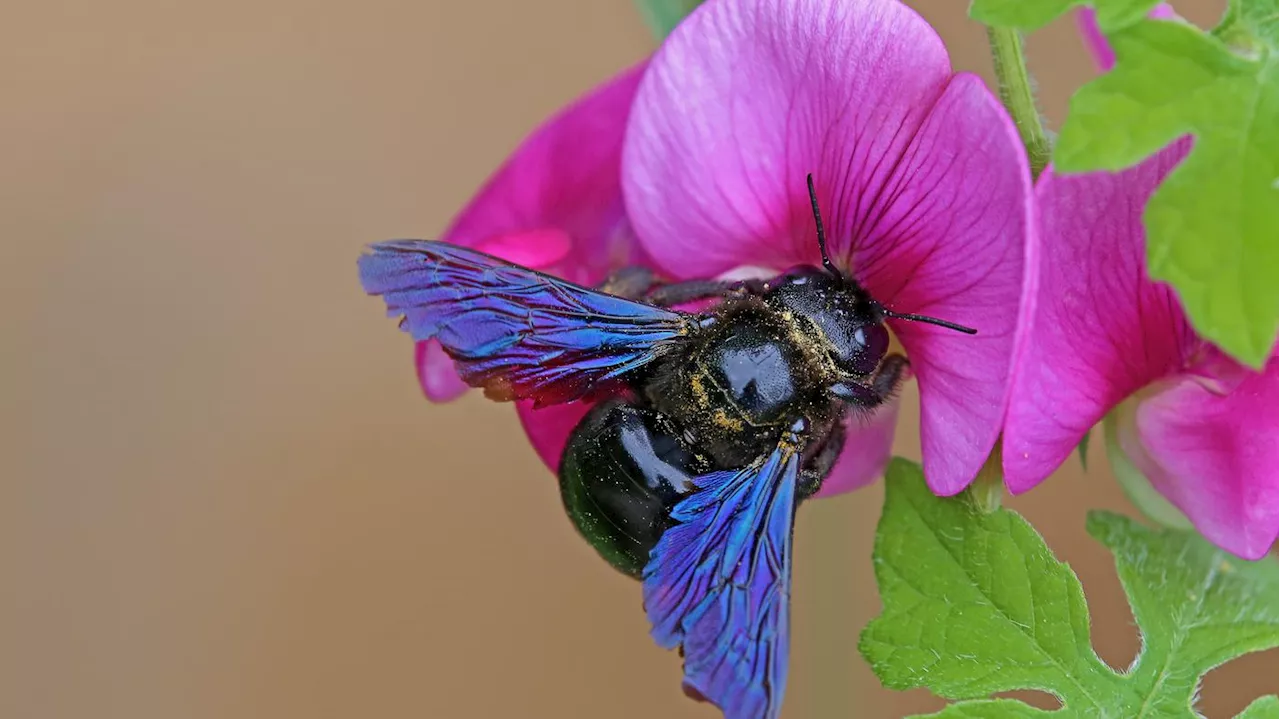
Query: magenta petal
1213	455
537	248
867	448
1101	329
549	427
554	205
921	176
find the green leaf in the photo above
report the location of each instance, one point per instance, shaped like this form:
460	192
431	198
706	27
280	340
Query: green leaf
663	15
988	709
1267	707
1196	606
1031	15
975	604
1249	25
1022	14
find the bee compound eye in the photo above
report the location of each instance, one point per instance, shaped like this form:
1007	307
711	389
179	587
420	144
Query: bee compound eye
867	346
877	340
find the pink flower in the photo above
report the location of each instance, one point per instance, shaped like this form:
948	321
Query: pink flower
921	177
1105	338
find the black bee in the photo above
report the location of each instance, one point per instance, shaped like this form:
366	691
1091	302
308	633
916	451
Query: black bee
707	429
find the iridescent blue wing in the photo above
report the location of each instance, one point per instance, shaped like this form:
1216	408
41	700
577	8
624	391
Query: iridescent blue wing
718	585
513	331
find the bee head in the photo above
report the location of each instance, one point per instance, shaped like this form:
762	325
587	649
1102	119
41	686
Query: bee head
850	320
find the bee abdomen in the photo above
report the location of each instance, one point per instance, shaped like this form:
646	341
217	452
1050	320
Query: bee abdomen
622	471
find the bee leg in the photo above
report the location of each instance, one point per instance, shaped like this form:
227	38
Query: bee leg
629	283
856	394
691	291
884	384
888	379
640	283
820	458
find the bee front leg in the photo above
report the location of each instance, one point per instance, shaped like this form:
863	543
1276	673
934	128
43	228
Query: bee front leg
888	379
883	385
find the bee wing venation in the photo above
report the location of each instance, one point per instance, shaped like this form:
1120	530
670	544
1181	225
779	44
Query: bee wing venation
718	585
516	332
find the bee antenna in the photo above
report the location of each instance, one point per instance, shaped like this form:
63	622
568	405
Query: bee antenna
822	234
929	321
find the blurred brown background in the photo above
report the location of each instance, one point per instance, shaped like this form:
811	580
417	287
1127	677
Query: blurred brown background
223	495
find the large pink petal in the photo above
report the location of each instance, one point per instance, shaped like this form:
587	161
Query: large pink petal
1102	328
1210	448
961	248
921	177
555	205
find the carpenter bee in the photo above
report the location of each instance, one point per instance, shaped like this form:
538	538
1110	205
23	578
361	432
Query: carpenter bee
707	430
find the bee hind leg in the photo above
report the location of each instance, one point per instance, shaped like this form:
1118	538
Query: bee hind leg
820	457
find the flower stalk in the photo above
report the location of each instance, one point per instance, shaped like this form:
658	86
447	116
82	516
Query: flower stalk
986	494
1015	92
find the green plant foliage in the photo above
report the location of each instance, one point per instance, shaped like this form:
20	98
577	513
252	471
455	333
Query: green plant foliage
976	604
1034	14
1261	708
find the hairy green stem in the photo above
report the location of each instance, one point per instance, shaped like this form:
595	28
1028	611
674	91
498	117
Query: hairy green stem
1016	94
